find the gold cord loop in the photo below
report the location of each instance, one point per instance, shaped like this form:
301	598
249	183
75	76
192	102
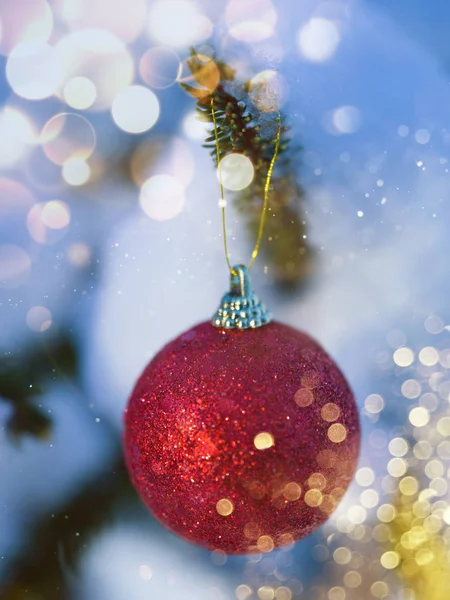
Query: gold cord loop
266	193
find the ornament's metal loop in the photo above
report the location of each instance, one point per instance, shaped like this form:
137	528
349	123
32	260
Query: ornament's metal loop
240	308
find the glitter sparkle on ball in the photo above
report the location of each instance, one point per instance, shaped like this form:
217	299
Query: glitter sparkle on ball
242	440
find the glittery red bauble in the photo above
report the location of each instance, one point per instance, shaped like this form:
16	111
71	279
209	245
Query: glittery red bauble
242	441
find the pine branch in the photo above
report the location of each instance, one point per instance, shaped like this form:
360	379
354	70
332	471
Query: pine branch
23	377
242	128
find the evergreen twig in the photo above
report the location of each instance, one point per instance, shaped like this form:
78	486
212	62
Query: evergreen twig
244	129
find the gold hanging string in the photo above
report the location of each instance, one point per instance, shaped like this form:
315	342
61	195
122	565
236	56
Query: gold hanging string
266	193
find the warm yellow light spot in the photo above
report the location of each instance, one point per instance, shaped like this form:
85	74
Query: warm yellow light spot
390	560
235	171
403	357
356	514
365	476
446	515
397	467
434	468
252	530
243	592
292	491
224	507
266	592
342	556
443	426
374	404
409	486
286	539
337	433
439	485
432	524
386	513
398	447
369	498
317	481
328	504
265	543
283	593
330	412
303	397
337	493
379	589
352	579
313	498
264	440
419	416
421	509
429	356
336	593
424	556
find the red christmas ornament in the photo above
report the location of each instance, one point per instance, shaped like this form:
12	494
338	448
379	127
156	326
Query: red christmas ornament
242	440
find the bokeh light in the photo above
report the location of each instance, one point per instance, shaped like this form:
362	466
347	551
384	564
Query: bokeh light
263	440
235	171
66	136
251	21
80	93
177	23
193	128
15	264
79	254
160	67
318	39
39	318
124	18
48	222
17	134
76	171
224	507
55	214
346	119
99	56
403	357
34	70
162	197
267	90
21	22
135	109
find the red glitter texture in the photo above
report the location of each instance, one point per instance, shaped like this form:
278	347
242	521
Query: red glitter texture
190	431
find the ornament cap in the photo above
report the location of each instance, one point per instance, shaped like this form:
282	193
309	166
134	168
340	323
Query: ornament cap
240	308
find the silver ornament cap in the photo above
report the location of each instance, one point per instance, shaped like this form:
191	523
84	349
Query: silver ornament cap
240	308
